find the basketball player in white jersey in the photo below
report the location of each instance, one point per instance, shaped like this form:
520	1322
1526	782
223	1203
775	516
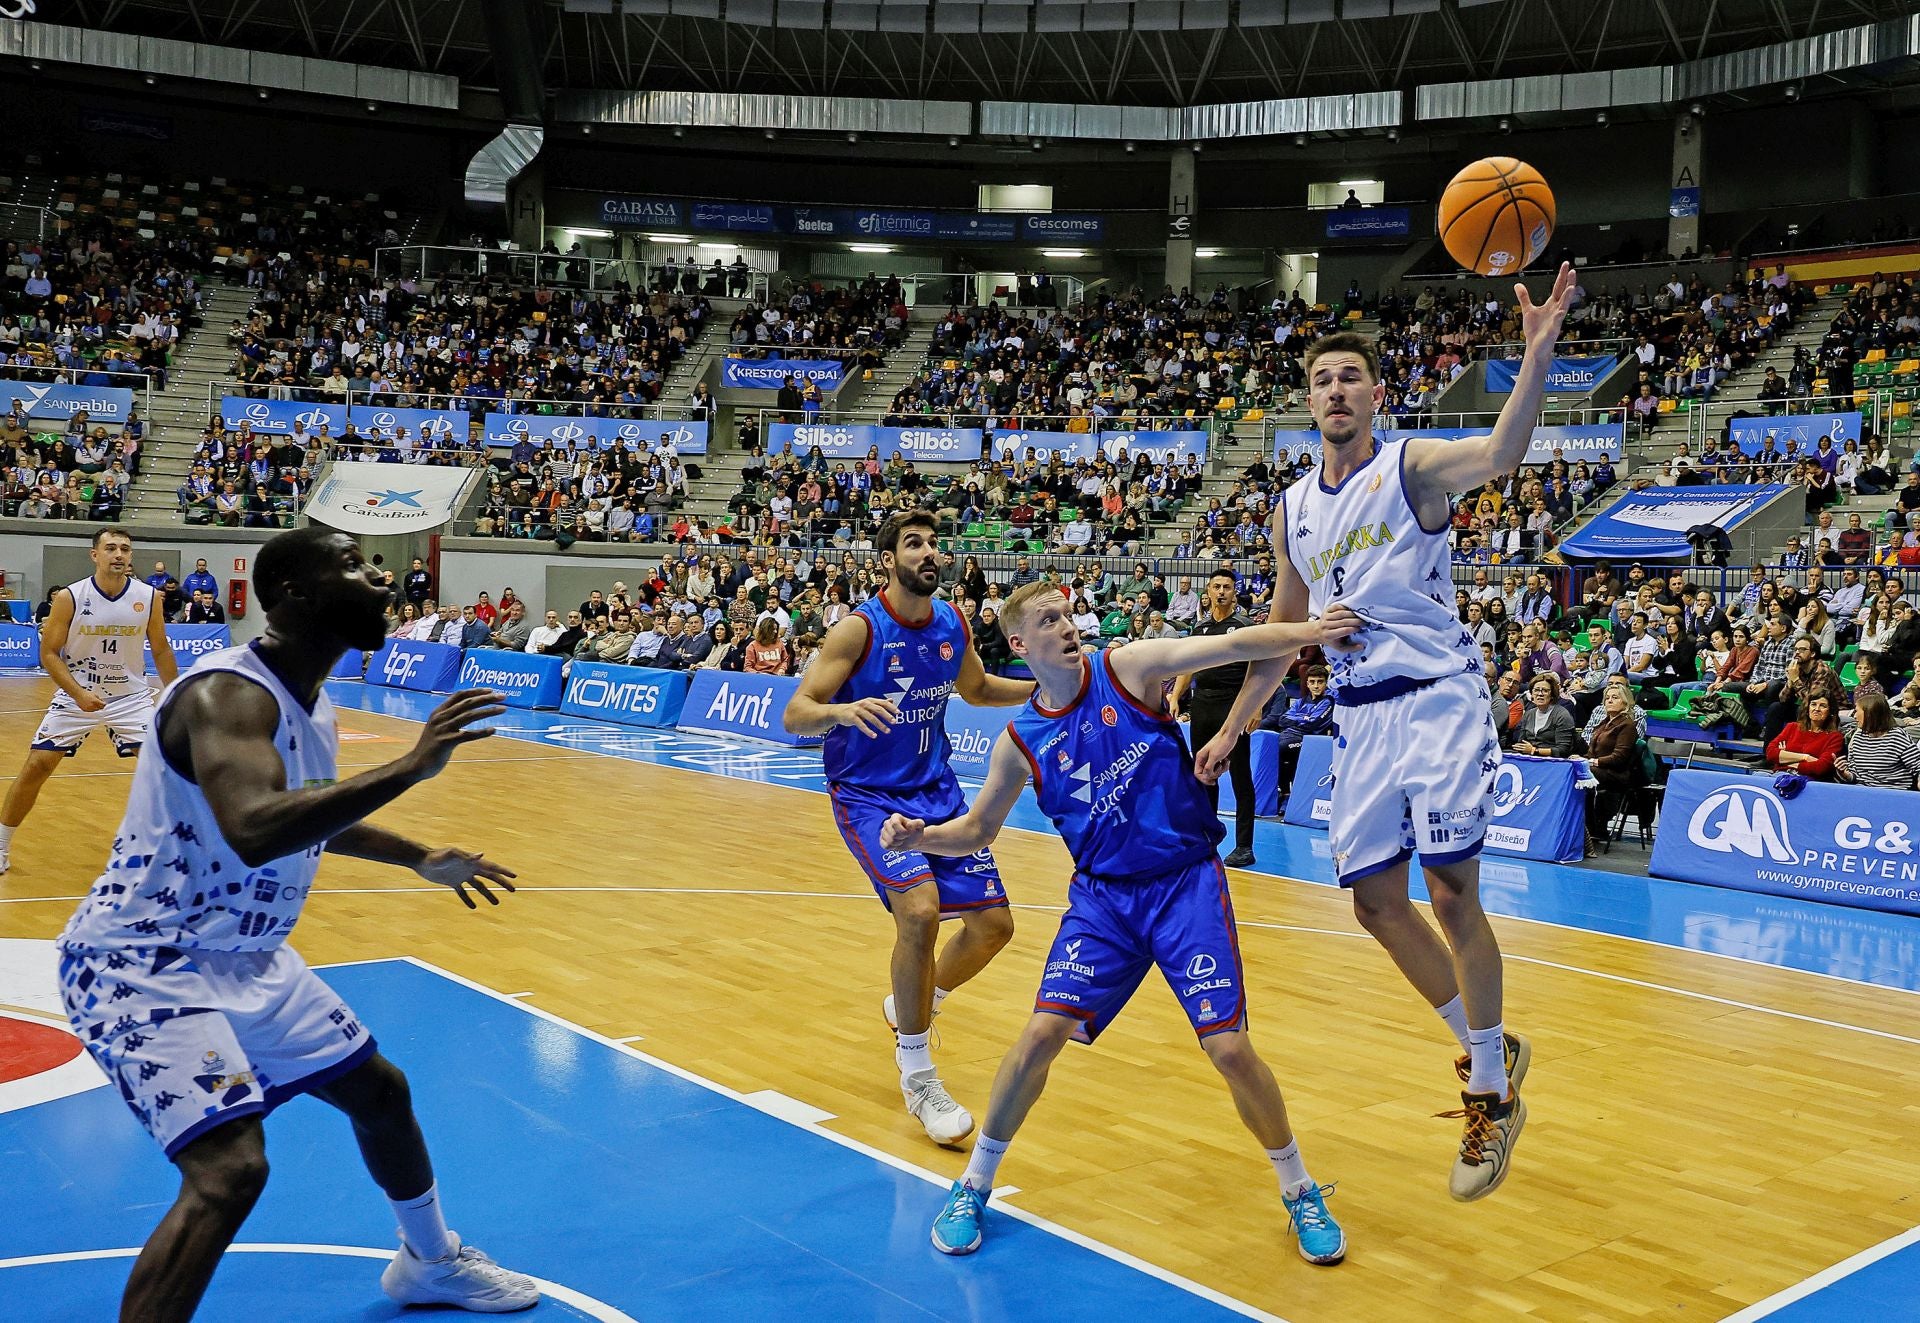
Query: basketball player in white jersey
90	644
176	973
1416	757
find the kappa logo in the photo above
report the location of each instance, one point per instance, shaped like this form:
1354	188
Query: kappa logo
1747	819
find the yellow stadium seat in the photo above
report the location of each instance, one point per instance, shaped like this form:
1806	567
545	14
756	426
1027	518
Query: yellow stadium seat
1902	408
1875	356
1226	402
1668	404
1862	396
1254	415
1908	365
1821	291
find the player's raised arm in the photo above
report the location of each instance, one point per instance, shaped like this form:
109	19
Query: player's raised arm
1007	772
812	711
1264	678
1144	666
222	728
1435	468
984	690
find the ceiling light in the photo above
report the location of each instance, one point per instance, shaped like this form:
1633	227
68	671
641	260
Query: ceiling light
1602	119
373	107
1393	135
870	247
1697	109
1198	145
721	247
264	94
590	234
1299	140
1063	252
1506	125
587	129
150	80
1355	183
769	135
1129	147
1206	252
1793	91
669	238
853	137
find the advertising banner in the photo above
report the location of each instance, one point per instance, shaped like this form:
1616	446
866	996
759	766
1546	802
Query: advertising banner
1567	376
1845	845
1264	748
1045	445
110	405
527	679
277	417
508	429
1538	811
853	440
1653	522
1750	435
1369	223
971	732
438	426
630	695
1165	447
739	703
190	643
772	373
364	496
19	647
625	210
1588	441
407	664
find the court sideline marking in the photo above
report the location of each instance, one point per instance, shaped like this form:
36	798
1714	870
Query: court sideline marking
1825	1277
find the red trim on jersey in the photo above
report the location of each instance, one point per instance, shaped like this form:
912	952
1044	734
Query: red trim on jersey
902	621
1086	683
866	648
1026	753
1106	660
865	860
1237	1019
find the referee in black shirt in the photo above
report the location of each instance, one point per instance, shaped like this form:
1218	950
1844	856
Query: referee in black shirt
1207	696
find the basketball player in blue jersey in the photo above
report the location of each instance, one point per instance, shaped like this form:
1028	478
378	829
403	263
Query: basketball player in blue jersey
1109	766
90	643
878	691
176	973
1415	762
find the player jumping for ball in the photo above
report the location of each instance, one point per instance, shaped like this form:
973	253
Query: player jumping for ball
1109	766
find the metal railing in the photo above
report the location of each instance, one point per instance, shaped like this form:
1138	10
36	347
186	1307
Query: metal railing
967	288
1711	415
565	270
470	404
24	223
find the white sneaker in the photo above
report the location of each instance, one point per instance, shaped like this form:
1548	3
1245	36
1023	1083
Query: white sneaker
946	1121
464	1278
886	1009
6	862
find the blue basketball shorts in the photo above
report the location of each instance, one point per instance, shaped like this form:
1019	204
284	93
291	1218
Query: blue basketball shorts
969	883
1113	932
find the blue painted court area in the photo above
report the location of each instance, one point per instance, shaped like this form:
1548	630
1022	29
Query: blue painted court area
1866	946
641	1193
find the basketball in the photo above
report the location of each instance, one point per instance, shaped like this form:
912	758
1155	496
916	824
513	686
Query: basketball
1496	216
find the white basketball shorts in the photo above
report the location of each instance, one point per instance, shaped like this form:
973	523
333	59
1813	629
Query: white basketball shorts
1413	772
125	718
197	1038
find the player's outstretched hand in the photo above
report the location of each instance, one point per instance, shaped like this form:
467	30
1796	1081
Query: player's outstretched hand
460	869
1215	754
872	717
450	726
1541	322
1338	626
900	832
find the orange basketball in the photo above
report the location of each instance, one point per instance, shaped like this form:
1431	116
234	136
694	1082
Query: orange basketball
1496	216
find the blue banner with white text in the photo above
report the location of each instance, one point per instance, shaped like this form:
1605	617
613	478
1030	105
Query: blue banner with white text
526	679
630	695
772	373
508	429
1537	810
971	732
410	664
1068	446
1567	376
1264	749
438	427
1369	223
1842	844
277	417
19	647
740	703
633	211
1164	447
1797	433
1652	523
853	440
190	643
1586	441
110	405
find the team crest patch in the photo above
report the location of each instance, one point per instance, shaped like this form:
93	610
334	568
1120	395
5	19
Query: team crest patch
1374	486
1066	760
138	607
1108	715
946	652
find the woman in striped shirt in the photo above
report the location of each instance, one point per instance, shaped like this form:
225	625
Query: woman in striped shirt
1878	753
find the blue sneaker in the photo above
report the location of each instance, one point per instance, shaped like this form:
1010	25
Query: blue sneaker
957	1229
1321	1239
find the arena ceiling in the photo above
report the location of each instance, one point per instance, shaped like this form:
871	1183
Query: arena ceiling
1138	52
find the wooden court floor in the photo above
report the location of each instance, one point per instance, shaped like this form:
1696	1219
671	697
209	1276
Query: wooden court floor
1702	1133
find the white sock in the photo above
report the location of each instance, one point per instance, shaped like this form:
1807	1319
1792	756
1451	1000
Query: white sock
1488	1071
985	1163
1455	1014
422	1224
912	1053
1290	1168
6	839
939	995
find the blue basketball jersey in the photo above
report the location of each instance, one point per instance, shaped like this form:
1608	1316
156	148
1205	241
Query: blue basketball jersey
915	666
1115	777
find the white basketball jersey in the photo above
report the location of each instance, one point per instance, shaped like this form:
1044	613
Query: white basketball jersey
172	879
106	640
1362	545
